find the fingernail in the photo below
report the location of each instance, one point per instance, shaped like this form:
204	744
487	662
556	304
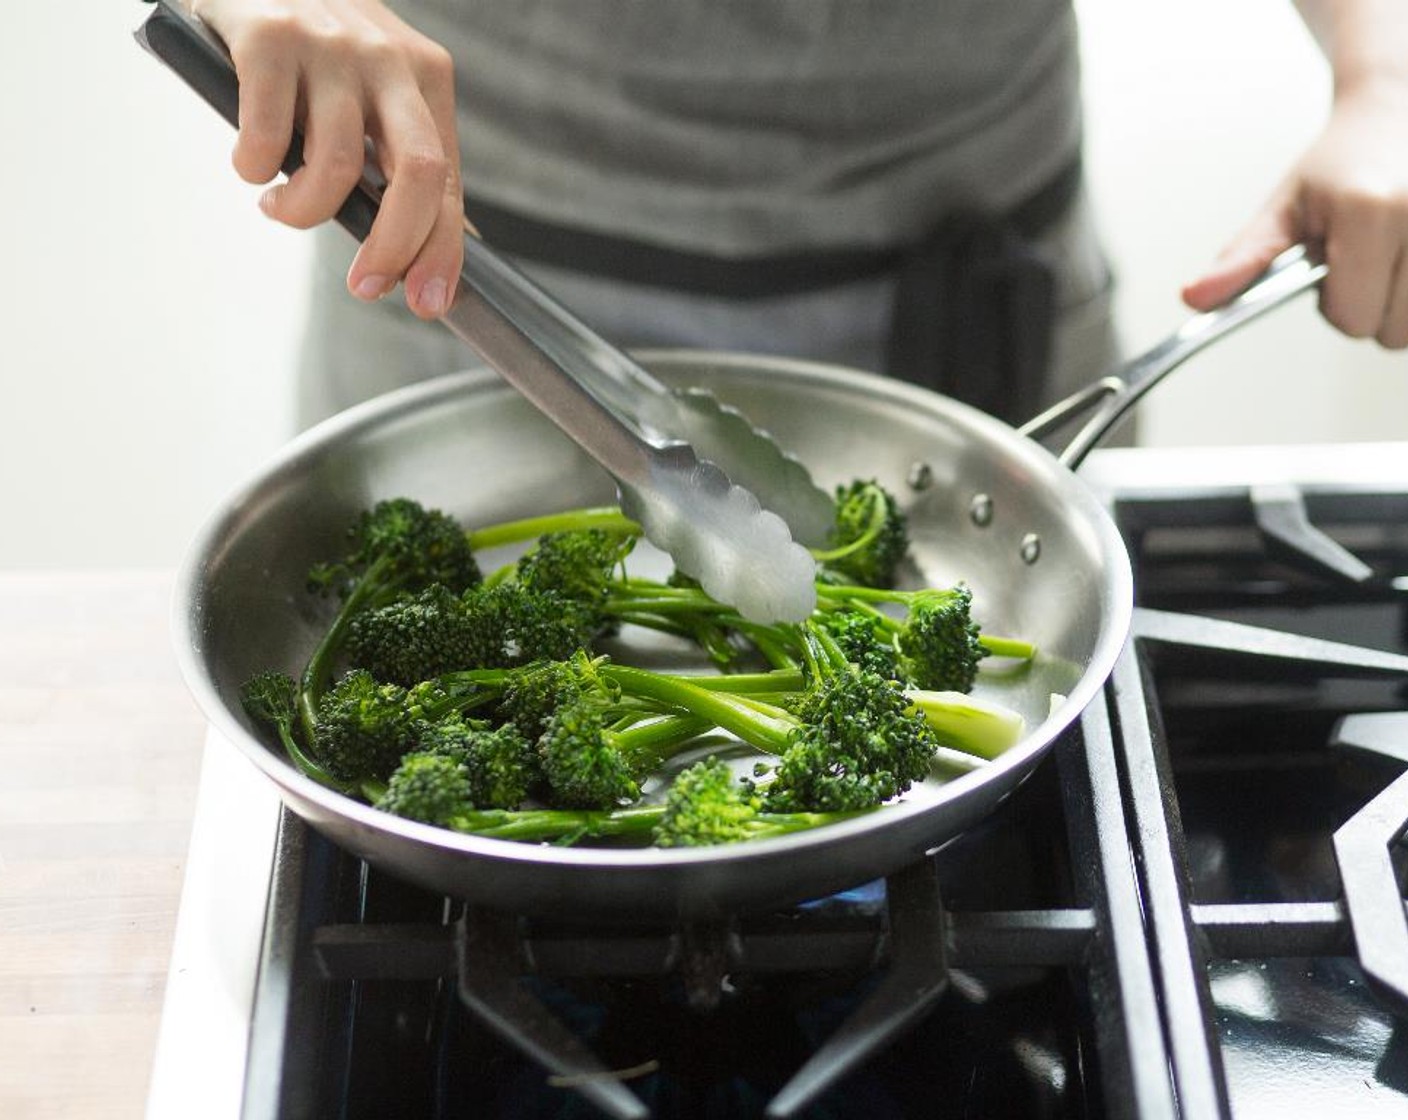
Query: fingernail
371	287
269	199
434	297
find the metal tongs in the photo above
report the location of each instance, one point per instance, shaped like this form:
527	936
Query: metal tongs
733	532
741	534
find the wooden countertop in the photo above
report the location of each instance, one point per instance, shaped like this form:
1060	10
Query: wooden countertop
100	750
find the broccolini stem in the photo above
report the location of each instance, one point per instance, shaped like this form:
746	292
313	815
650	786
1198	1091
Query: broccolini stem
314	681
774	682
649	744
656	623
769	641
878	516
857	592
606	518
664	603
978	727
372	790
821	656
706	633
762	692
502	574
554	824
764	730
301	759
655	587
478	678
767	707
1007	647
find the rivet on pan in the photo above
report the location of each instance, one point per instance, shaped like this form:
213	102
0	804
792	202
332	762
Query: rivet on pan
1031	548
921	476
980	510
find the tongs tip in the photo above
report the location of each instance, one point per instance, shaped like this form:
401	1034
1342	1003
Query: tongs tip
717	533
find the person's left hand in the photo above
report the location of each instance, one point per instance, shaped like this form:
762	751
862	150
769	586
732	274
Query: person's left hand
1348	194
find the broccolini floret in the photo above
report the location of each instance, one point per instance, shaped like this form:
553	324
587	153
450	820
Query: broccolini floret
272	698
859	741
542	624
529	696
501	765
428	633
862	640
404	545
590	762
869	538
938	642
578	564
427	787
705	805
432	633
396	546
363	727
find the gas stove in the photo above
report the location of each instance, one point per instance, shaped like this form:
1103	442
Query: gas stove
1194	907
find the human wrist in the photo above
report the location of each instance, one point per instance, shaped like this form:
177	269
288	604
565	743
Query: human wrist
1365	43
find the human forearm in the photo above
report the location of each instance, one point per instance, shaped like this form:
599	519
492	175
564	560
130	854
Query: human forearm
1363	40
1348	192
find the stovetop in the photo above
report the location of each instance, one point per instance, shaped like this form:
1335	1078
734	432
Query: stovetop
1193	908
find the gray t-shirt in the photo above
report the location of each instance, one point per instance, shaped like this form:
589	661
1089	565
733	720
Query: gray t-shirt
743	127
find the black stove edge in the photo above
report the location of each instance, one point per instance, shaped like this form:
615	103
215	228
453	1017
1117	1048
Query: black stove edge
1132	1045
1160	858
290	1006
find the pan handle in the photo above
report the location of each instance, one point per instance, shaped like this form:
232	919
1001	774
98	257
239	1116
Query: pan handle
1108	399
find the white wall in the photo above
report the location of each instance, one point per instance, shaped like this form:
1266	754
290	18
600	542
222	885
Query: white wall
1194	111
151	313
149	308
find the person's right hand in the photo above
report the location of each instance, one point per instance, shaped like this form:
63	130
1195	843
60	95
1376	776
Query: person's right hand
343	71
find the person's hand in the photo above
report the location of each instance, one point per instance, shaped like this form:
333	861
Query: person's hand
345	71
1349	194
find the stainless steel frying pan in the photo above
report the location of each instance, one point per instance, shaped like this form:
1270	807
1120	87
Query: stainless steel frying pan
985	504
470	445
